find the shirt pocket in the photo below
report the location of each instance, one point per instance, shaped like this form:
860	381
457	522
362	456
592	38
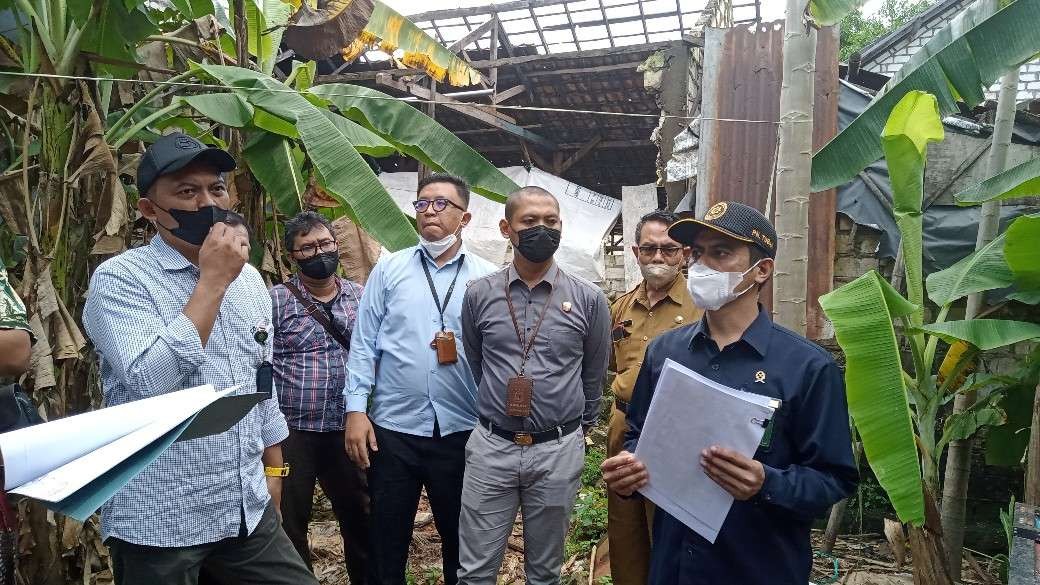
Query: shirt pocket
300	333
565	348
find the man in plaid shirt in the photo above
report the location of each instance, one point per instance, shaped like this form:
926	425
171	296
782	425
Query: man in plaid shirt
310	367
177	313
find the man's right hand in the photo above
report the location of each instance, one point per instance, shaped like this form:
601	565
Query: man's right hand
359	438
624	473
222	255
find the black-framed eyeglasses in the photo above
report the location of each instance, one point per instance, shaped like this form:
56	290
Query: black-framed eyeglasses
310	250
439	204
666	251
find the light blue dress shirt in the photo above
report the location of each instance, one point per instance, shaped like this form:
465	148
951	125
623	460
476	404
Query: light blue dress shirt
390	355
197	491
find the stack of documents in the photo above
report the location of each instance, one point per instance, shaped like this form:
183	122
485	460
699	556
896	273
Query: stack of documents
75	464
690	413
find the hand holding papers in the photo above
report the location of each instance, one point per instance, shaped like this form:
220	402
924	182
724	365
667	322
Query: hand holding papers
690	413
74	464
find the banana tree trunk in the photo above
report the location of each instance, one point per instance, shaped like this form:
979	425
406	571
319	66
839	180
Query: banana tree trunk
793	168
958	459
1032	495
926	547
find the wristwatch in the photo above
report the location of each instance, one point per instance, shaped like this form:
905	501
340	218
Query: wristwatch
282	471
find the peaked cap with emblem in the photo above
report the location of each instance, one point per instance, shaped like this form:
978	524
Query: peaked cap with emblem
736	220
172	153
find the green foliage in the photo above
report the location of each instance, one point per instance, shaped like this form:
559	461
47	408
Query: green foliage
589	518
858	31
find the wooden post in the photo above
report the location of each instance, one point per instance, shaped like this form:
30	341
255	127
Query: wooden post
241	34
430	110
494	57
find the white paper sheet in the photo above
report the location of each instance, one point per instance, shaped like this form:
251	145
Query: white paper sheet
60	483
33	451
688	414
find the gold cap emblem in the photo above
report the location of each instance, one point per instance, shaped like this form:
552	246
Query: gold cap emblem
760	377
566	306
678	319
716	211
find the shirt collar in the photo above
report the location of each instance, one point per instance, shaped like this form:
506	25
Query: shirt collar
757	334
168	258
548	278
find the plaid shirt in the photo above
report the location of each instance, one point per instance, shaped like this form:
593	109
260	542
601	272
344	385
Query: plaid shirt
197	491
310	366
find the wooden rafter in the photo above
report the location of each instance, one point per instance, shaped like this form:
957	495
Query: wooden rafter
577	156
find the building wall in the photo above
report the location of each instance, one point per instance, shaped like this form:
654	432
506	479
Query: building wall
899	53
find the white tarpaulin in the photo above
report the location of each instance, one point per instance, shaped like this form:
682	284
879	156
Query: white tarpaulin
587	218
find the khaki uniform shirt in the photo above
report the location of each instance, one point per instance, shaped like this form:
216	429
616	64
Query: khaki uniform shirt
634	323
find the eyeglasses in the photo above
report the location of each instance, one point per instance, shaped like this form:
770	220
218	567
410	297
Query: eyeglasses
310	250
666	251
439	204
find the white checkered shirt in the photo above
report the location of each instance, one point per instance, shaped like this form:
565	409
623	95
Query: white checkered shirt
197	491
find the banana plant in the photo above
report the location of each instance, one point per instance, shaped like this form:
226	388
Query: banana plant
320	135
980	44
894	410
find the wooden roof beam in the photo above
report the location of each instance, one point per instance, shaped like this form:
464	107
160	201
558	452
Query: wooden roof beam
577	156
472	35
494	119
482	10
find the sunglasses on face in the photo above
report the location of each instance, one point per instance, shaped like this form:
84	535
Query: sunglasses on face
666	251
439	204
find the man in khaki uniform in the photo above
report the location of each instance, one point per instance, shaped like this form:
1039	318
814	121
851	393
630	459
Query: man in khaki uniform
659	303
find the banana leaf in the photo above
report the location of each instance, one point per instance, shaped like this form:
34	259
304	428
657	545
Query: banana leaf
962	425
985	334
418	136
1022	252
1019	181
344	174
914	123
302	75
978	46
985	269
363	139
830	12
267	121
278	166
276	16
421	51
223	108
862	312
319	32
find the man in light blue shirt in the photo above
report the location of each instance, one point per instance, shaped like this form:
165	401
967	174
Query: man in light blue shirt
406	357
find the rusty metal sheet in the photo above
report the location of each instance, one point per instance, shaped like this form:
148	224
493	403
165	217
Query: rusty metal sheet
743	70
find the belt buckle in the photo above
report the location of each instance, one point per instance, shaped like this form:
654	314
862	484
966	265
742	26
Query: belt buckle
523	439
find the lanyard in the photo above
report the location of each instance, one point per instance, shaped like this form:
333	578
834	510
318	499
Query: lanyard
433	289
512	314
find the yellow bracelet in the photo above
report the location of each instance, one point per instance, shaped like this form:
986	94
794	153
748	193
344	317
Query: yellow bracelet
282	471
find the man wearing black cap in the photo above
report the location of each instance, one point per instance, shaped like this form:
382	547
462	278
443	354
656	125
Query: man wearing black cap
177	313
804	463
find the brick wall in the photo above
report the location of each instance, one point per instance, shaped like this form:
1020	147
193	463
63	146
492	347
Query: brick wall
892	60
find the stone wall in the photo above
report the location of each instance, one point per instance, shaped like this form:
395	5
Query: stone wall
899	53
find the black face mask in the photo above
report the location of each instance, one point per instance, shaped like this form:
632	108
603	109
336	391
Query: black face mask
194	226
538	243
320	266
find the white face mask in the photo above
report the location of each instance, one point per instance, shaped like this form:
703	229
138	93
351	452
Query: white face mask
435	249
711	289
658	275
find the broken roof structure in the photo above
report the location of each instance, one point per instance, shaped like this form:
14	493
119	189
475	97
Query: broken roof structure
542	60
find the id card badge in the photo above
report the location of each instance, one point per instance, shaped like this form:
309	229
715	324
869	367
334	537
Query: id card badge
519	391
444	344
265	378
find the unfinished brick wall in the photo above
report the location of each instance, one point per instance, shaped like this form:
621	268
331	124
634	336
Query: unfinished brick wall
899	53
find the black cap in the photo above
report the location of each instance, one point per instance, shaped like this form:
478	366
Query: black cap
172	153
736	220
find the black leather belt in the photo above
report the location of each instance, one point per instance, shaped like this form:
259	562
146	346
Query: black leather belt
525	438
621	405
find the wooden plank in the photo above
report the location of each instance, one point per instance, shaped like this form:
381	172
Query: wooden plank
509	93
482	10
505	123
495	28
472	35
580	70
572	146
504	40
576	54
577	156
